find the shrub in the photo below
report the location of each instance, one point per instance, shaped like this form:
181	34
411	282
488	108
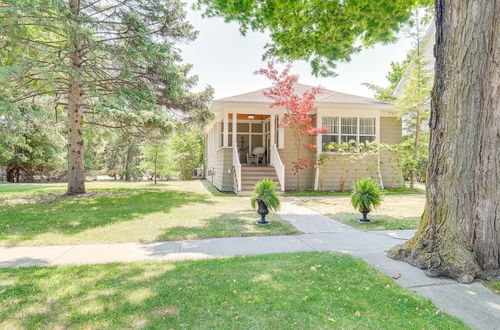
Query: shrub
265	190
366	194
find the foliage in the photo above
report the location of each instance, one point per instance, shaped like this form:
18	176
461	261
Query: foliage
494	285
265	189
130	64
298	109
412	160
238	292
158	161
349	153
366	194
393	191
317	31
413	105
398	212
111	63
394	77
30	142
187	150
117	211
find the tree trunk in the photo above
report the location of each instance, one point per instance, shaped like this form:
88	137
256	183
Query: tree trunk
76	171
130	161
459	235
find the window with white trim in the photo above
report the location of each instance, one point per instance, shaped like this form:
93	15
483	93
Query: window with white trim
345	129
332	130
366	130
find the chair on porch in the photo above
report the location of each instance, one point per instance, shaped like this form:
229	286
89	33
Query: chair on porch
257	156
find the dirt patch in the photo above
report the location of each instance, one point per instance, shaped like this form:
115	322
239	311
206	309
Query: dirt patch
50	197
168	311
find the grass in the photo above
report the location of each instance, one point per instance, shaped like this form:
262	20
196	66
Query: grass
125	212
312	290
494	286
313	193
396	212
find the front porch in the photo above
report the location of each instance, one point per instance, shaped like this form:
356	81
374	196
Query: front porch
254	139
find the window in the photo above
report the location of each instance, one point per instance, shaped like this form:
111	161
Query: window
220	129
345	129
332	130
366	130
348	129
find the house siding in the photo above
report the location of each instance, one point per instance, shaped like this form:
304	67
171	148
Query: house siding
289	155
341	171
391	133
219	166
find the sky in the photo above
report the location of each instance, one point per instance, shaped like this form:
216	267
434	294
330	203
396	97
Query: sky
226	60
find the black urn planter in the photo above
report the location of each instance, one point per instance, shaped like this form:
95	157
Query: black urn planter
262	211
364	218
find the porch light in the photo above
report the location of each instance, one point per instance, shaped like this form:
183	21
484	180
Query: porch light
251	117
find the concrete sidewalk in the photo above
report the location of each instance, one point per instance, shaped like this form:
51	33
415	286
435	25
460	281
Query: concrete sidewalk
476	305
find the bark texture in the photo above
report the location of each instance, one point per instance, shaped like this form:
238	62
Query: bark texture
76	171
459	235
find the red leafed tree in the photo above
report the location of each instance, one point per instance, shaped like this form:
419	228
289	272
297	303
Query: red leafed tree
298	110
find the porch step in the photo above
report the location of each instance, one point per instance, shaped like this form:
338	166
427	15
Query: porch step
250	175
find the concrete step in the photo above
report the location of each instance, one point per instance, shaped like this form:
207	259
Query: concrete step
257	168
254	173
251	180
258	177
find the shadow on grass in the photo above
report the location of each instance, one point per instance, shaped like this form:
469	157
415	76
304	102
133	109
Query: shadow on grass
73	215
272	291
214	191
23	187
235	224
378	221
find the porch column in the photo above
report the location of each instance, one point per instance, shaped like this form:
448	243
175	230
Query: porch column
234	130
319	148
377	139
273	136
226	128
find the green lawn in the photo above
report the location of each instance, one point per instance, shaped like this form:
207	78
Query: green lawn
396	212
313	193
302	290
494	285
38	214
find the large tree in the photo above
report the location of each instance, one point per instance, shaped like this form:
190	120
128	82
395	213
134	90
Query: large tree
459	235
112	63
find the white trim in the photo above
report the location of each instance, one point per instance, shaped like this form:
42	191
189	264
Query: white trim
234	137
273	137
319	148
377	129
319	138
226	128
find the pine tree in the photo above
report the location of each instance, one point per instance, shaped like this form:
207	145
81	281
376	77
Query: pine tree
111	63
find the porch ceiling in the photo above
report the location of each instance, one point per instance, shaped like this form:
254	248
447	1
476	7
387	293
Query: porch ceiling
244	116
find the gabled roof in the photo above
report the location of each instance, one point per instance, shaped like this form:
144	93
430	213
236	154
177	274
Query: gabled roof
326	96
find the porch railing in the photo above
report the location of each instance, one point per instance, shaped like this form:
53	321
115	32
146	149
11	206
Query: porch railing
278	166
237	168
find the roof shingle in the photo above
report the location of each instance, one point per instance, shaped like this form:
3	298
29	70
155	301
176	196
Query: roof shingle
326	96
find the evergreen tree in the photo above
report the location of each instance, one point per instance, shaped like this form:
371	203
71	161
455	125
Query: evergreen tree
111	63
